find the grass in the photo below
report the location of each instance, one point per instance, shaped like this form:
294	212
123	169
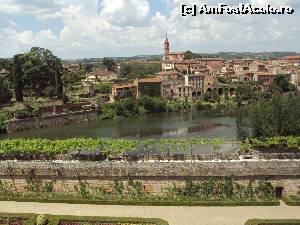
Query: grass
136	202
54	220
272	222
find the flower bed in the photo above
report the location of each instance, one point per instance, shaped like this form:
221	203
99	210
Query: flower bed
70	222
11	221
31	219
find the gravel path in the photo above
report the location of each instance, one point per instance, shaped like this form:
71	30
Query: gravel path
174	215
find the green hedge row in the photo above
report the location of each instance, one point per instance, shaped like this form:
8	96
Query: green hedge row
291	202
54	220
272	222
142	203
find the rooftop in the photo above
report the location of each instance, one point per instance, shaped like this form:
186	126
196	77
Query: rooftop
150	80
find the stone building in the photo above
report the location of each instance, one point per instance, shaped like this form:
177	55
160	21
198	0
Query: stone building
264	77
121	91
3	73
149	86
71	68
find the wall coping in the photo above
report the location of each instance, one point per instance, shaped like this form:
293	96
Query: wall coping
104	170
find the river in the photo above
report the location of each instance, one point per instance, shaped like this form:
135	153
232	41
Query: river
167	125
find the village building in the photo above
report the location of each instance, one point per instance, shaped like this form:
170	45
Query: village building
149	86
3	73
170	75
71	68
264	77
183	92
101	75
196	81
292	60
126	90
258	66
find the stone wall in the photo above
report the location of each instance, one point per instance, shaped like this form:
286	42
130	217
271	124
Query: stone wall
50	121
155	176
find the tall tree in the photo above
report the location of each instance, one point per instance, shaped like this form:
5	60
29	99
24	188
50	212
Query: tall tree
18	74
5	93
42	69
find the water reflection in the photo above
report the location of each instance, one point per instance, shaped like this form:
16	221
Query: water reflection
192	124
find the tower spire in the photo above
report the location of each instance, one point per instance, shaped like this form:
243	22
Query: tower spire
166	48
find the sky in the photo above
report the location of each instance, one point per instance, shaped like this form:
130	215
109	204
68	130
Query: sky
98	28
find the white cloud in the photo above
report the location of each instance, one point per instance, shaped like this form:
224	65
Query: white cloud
125	12
126	27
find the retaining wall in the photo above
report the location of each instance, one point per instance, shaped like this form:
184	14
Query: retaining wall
50	121
155	176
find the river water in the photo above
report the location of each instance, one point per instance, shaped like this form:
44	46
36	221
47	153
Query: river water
166	125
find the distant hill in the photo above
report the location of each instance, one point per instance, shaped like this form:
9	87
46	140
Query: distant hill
224	55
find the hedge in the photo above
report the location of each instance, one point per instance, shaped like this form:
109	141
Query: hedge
291	202
141	203
272	222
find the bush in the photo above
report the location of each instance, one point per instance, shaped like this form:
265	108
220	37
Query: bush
50	91
152	105
4	115
41	220
103	88
23	114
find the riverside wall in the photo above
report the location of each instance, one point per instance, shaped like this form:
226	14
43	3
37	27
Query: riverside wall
51	121
155	176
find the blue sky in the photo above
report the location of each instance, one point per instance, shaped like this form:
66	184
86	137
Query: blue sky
74	29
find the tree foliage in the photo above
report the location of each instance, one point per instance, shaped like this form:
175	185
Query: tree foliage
283	83
278	116
5	93
37	70
109	63
138	70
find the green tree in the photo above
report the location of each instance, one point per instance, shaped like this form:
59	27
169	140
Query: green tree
71	78
244	93
124	70
278	116
109	63
42	69
18	77
5	93
50	91
283	82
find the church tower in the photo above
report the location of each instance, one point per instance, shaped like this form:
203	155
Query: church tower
166	48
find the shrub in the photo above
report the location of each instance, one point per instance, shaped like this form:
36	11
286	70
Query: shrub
103	88
50	91
23	114
4	115
41	220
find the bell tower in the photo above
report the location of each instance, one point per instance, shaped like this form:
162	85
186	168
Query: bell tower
166	48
